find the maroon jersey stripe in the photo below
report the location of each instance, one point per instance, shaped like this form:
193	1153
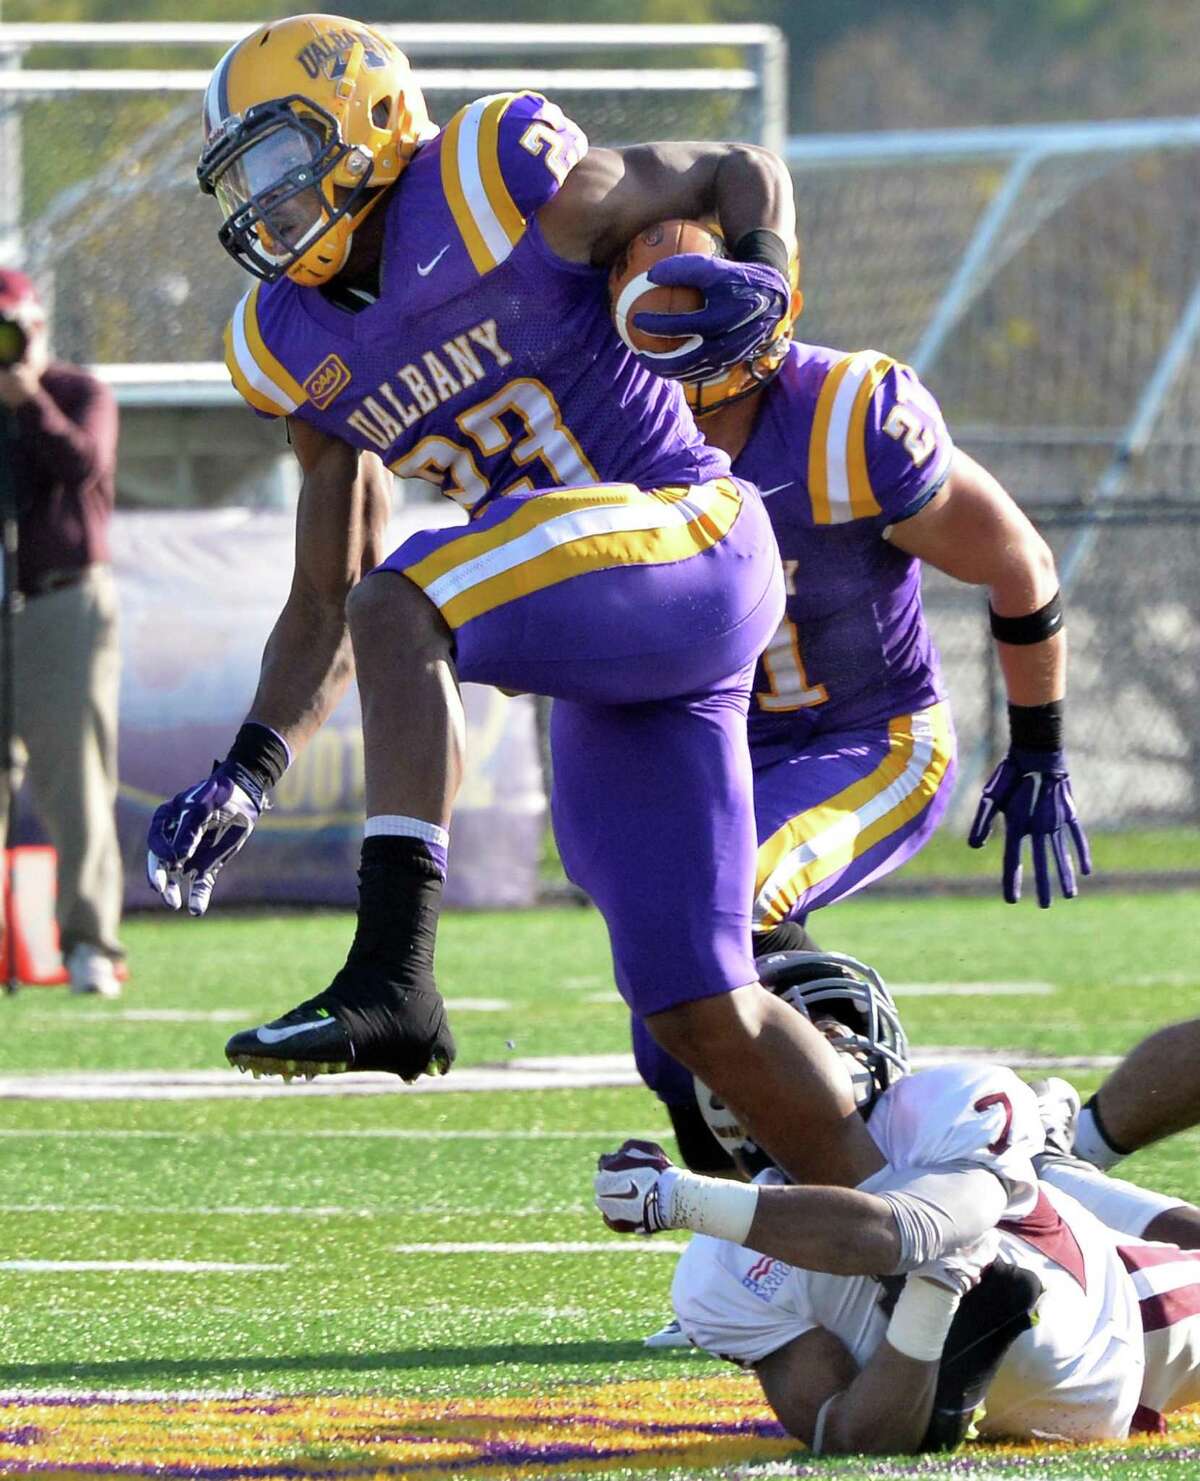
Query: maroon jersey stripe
1046	1231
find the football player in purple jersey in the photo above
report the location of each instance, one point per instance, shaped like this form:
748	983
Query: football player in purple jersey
434	302
850	730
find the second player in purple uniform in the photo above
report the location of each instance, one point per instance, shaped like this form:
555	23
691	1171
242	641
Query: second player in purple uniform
849	730
460	333
851	736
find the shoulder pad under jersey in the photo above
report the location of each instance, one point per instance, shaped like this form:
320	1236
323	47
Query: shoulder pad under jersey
879	447
255	368
502	158
961	1112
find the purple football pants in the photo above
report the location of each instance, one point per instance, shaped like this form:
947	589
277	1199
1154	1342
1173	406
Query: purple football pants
641	613
832	817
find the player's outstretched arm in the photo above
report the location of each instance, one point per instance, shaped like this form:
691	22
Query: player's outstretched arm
611	195
307	663
919	1216
975	532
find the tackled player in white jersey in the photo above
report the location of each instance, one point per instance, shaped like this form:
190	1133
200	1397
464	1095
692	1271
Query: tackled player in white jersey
800	1282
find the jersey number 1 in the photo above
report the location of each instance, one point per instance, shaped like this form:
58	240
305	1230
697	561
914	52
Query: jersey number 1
783	665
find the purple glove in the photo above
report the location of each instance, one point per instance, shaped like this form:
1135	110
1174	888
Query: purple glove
1033	792
744	303
195	835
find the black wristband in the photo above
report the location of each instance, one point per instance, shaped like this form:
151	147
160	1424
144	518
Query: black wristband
1036	727
260	752
762	245
1035	627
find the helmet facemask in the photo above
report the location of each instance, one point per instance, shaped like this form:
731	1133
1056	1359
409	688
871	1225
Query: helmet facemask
272	171
828	986
737	382
306	122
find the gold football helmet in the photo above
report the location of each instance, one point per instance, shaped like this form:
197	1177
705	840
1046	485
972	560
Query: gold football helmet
305	120
740	380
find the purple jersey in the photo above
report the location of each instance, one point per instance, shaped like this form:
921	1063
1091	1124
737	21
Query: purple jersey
487	364
844	446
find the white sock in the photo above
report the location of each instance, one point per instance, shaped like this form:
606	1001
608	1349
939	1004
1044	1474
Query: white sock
1090	1142
396	825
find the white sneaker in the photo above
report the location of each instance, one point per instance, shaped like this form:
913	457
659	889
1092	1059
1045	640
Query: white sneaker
92	971
1058	1107
669	1336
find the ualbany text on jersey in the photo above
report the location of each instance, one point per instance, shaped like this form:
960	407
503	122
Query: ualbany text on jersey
416	388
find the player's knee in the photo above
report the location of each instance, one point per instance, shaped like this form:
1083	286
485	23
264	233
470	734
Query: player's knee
708	1034
386	603
788	935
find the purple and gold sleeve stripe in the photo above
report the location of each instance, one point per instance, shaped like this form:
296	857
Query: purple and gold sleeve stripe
825	839
484	211
838	480
261	378
559	535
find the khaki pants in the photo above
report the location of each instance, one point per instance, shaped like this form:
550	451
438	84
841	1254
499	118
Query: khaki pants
67	669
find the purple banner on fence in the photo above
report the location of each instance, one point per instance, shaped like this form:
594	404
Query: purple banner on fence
200	591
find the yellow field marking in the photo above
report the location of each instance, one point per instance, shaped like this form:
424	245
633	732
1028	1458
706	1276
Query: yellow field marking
685	1422
688	1422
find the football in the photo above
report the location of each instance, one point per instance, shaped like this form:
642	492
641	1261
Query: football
630	292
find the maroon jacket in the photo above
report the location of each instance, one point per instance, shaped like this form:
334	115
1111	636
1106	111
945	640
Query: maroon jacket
64	462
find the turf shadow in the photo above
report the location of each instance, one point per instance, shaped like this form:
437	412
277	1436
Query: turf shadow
137	1372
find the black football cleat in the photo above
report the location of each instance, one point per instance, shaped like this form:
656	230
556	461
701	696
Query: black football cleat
306	1042
363	1021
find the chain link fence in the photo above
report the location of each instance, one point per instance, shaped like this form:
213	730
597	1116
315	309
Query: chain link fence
1133	626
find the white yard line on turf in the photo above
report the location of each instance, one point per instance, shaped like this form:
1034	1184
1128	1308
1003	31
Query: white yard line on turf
544	1247
566	1072
214	1015
281	1210
972	989
156	1267
389	1133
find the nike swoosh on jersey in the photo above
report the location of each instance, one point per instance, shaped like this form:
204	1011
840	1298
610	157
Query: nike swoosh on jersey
779	487
276	1035
425	268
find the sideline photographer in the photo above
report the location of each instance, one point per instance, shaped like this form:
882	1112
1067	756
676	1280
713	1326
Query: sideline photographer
59	427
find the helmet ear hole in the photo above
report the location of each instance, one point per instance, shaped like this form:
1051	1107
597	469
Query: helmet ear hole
381	113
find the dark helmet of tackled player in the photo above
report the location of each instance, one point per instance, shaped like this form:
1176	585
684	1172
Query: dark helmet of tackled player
824	985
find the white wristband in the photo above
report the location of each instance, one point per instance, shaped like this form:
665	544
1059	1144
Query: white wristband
922	1319
714	1206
